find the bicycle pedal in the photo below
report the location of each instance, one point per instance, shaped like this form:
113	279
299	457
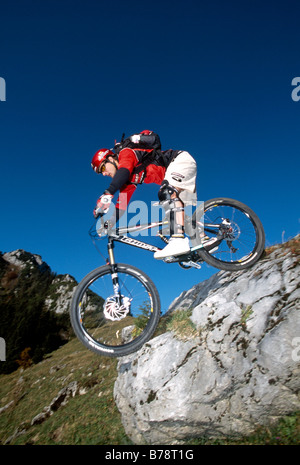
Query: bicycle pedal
192	264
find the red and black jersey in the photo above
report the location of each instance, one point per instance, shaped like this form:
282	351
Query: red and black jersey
133	171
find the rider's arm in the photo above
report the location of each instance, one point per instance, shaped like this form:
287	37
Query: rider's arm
120	178
127	162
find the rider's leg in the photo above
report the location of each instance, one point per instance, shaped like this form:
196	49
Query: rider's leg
176	217
174	207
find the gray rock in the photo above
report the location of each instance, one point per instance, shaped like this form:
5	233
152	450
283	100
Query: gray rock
62	290
23	259
241	371
58	401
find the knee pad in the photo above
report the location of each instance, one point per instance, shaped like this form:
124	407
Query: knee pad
166	191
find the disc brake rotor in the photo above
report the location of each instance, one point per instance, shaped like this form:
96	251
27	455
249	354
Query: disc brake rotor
230	230
113	310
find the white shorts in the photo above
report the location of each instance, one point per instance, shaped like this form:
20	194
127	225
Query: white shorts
181	173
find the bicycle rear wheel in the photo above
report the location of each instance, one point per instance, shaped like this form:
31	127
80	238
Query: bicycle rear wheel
232	235
110	324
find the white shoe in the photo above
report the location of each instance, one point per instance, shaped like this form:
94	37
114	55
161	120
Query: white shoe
176	246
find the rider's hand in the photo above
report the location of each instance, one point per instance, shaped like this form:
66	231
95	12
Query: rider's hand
103	204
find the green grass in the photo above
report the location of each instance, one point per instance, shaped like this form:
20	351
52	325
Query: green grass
181	325
286	432
91	418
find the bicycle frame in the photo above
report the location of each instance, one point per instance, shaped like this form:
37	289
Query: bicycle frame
120	235
188	259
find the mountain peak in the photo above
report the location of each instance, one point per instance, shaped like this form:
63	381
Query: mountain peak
21	259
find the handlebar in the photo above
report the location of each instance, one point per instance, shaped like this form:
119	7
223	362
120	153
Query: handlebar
101	227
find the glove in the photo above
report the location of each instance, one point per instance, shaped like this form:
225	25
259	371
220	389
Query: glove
135	138
103	204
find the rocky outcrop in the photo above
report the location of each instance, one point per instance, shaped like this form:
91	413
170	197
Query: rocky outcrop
22	259
61	287
60	293
239	368
34	308
58	401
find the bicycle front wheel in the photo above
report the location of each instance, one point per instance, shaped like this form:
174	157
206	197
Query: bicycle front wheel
113	323
230	232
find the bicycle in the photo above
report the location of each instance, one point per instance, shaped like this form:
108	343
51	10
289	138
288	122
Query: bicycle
116	308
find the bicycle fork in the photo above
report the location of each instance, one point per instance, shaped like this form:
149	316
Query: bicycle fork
114	272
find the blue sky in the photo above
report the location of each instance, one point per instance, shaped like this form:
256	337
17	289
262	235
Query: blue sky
213	78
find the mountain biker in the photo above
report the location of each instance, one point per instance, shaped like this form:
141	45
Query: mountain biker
174	170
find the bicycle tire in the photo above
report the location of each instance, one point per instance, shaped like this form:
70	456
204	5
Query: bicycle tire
86	304
234	263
